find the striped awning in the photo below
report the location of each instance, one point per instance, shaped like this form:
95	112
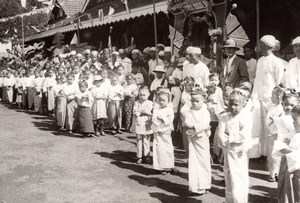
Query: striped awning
121	16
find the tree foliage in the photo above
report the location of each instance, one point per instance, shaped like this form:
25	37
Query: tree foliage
12	28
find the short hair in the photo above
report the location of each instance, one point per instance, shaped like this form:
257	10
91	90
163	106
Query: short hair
163	91
199	91
213	75
238	93
144	88
70	75
129	76
83	83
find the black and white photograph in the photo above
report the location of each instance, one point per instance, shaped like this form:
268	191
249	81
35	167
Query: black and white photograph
149	101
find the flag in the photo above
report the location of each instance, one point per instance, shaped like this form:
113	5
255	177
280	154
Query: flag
37	30
23	3
235	31
110	12
90	18
74	39
100	14
125	2
176	40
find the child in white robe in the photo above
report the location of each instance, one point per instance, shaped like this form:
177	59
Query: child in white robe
162	123
197	128
99	110
141	125
235	131
289	175
275	111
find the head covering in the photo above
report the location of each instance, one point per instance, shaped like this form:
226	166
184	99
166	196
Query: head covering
194	50
160	46
73	53
87	51
122	51
167	49
188	49
115	53
79	55
181	60
269	40
277	46
146	50
161	53
159	69
135	51
230	43
97	77
94	53
296	41
152	49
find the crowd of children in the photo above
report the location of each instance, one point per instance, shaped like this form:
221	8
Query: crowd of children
96	98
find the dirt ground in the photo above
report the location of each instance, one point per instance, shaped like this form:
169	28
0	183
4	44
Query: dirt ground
40	164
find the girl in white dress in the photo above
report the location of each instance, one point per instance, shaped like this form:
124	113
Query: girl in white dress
99	110
162	123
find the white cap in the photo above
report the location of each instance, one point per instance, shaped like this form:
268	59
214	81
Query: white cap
79	55
167	49
135	51
73	53
195	50
87	51
296	41
159	69
94	53
152	49
161	53
97	77
115	53
277	45
269	40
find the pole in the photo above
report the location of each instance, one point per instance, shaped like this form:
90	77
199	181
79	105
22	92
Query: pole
22	37
257	28
78	36
155	31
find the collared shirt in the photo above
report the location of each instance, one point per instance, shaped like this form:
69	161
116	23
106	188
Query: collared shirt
199	72
228	64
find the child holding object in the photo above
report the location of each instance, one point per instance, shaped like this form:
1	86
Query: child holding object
141	124
162	122
100	94
85	100
235	127
197	129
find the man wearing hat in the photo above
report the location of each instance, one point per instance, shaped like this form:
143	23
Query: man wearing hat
196	68
126	62
235	70
269	74
159	80
293	69
153	62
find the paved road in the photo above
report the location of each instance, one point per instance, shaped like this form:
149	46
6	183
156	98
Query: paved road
40	164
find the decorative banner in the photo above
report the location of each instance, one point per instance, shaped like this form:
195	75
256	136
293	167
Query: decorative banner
74	39
23	3
110	12
176	40
100	14
90	18
125	2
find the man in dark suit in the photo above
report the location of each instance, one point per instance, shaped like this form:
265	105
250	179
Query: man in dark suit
234	72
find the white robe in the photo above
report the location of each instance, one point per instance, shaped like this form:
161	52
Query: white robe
199	72
235	144
292	74
199	154
269	74
163	151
